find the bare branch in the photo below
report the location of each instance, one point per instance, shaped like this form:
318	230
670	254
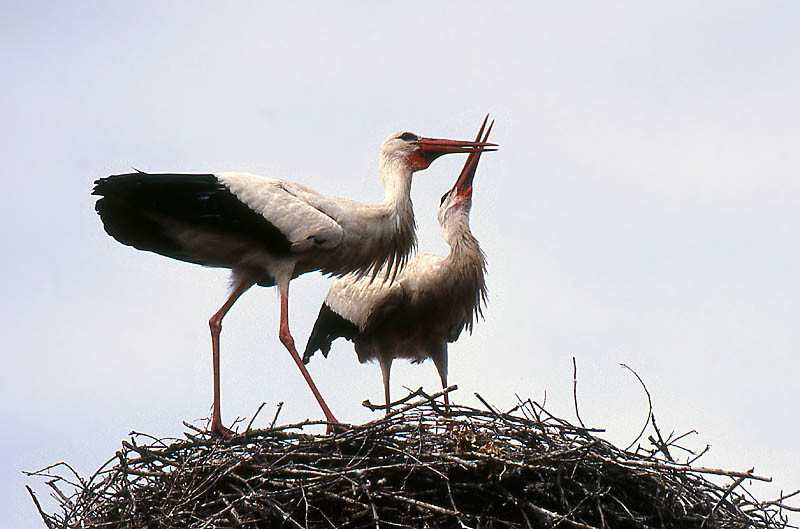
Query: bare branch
575	390
649	406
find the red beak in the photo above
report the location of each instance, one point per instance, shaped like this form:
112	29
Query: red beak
463	185
432	148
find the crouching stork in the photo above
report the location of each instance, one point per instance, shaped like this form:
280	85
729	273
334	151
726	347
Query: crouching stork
431	301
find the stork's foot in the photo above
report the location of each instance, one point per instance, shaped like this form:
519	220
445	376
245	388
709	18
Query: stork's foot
220	431
336	427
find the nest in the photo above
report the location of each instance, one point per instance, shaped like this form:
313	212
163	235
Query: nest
419	467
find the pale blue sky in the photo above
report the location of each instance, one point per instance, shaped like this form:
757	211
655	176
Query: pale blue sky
643	209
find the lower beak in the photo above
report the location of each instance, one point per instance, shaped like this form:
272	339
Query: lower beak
463	185
432	148
442	146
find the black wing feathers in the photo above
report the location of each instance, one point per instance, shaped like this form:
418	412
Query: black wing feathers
132	205
328	327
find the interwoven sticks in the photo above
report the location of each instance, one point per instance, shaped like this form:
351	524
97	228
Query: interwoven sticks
419	467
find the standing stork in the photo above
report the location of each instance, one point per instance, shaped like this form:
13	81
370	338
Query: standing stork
270	231
428	305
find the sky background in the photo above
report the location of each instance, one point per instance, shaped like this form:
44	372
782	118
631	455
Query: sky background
643	209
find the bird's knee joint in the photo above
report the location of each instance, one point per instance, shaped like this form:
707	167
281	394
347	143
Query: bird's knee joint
286	338
215	324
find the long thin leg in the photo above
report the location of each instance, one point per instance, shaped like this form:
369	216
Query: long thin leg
386	367
440	361
215	323
288	342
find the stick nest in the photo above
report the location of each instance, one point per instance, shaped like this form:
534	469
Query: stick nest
420	467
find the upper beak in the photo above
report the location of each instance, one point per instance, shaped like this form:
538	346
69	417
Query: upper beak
432	148
443	146
463	185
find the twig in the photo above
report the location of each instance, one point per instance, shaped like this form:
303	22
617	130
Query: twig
661	445
736	482
698	456
275	418
649	406
687	468
52	485
193	427
286	516
787	496
418	504
575	391
781	498
429	398
564	423
550	515
488	406
376	407
455	508
247	430
45	518
372	508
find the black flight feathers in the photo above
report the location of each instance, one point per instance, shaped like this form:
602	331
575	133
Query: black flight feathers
328	327
134	208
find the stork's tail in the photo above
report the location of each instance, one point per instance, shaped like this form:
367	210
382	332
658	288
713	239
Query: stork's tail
142	210
328	327
131	206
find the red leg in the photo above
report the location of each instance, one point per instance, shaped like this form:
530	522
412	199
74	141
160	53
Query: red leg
215	323
386	368
440	361
288	342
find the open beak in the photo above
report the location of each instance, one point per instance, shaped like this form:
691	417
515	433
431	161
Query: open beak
432	148
463	185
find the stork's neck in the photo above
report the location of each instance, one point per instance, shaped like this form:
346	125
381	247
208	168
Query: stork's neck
465	251
396	177
390	226
466	267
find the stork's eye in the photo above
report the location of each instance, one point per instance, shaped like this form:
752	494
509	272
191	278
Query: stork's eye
409	136
444	197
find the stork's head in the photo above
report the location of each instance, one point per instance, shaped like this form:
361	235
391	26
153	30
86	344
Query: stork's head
456	203
415	153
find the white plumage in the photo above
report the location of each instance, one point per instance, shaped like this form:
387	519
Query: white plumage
284	204
428	305
269	231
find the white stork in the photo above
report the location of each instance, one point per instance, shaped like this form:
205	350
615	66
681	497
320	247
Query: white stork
270	231
428	305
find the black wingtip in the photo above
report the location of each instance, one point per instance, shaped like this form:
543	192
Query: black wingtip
134	206
328	327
